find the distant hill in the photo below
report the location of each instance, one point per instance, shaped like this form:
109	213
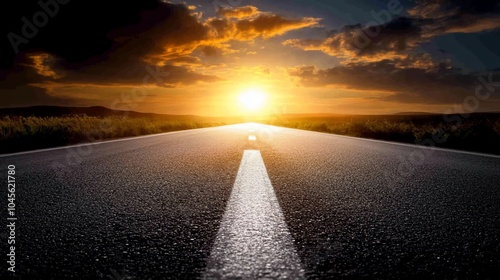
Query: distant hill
415	113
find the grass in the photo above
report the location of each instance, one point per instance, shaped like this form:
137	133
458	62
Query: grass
18	133
478	132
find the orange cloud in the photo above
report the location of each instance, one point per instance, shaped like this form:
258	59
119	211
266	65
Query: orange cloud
239	12
213	39
270	25
264	25
42	65
212	36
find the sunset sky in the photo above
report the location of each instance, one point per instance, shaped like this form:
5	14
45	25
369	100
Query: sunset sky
201	57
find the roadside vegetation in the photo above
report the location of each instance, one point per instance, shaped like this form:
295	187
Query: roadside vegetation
20	133
477	132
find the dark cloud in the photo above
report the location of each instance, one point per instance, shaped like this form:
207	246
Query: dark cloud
138	75
394	38
85	32
459	16
102	43
16	94
437	84
108	35
210	50
129	72
27	95
88	32
446	8
373	43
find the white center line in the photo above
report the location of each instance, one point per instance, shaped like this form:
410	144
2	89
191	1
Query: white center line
252	137
253	241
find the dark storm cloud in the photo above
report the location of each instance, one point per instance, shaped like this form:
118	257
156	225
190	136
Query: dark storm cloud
96	43
397	35
139	73
458	16
372	43
86	32
446	8
33	95
116	43
439	84
16	94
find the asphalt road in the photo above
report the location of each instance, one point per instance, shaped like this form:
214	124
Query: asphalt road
155	207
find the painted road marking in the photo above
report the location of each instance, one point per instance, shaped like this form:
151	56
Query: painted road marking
252	138
253	241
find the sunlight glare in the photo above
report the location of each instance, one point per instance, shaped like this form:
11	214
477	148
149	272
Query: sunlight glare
252	100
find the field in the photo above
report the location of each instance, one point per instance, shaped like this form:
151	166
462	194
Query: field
476	132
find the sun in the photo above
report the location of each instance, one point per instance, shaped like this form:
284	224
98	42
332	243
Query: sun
252	100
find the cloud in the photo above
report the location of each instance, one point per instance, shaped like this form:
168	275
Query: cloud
381	58
139	28
439	84
128	73
23	86
263	25
270	25
28	95
454	8
399	36
238	12
375	43
148	30
210	50
186	61
116	52
446	16
117	36
18	89
42	63
110	40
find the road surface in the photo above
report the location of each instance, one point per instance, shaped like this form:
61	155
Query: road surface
254	201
